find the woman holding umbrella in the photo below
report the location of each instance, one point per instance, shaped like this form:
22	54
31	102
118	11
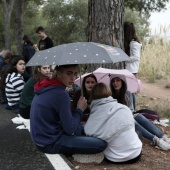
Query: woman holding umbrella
150	131
88	83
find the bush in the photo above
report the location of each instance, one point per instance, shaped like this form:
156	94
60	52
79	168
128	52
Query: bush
155	60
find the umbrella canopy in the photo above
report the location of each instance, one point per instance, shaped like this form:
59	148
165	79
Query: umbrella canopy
78	53
103	75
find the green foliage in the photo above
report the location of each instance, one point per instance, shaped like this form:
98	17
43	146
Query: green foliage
146	5
140	21
66	21
32	19
1	29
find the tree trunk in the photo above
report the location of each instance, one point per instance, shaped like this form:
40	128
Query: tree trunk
105	25
7	10
19	10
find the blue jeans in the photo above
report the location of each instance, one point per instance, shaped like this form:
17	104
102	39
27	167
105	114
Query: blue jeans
69	145
134	100
149	130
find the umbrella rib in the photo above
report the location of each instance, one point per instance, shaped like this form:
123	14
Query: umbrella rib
103	76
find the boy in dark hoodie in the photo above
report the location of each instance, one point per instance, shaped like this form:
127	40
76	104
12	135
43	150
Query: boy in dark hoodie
54	129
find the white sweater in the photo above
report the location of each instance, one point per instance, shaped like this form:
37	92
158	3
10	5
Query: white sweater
114	123
133	64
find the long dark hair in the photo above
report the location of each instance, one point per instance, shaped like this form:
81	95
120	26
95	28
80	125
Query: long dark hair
120	96
13	64
129	35
27	40
85	93
37	76
10	69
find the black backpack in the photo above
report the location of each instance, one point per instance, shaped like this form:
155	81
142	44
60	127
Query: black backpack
151	115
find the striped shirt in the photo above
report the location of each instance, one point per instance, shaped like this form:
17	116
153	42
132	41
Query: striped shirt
13	89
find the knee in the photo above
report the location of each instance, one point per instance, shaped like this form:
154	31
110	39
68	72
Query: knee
103	145
140	117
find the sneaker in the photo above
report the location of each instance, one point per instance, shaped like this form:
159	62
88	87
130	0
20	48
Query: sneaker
6	106
166	139
163	144
89	158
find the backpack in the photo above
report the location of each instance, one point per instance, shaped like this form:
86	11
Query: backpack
151	115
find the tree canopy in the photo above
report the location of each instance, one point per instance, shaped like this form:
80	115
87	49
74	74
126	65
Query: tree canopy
66	20
146	5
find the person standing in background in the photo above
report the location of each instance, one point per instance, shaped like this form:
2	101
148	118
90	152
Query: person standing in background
28	52
45	42
132	47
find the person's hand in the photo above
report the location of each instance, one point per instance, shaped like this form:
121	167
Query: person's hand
82	103
35	47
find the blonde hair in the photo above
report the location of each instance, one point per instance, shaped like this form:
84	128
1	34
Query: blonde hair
99	91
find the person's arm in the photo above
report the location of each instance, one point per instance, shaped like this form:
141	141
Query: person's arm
70	122
129	100
18	83
2	63
134	52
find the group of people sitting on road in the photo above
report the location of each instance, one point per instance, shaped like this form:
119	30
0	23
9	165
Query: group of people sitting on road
16	79
94	120
98	119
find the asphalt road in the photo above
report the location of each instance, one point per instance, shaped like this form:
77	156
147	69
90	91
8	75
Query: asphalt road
17	151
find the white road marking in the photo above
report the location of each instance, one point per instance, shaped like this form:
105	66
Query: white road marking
56	160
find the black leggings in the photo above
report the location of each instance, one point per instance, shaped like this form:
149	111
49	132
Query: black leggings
134	160
25	112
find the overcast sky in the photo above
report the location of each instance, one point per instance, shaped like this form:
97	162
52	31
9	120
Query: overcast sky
158	19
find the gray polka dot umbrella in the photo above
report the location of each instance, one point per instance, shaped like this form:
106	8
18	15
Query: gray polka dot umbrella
78	53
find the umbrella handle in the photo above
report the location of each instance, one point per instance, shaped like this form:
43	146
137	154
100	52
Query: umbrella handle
79	68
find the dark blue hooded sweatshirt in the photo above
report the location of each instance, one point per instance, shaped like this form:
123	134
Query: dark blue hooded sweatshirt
50	115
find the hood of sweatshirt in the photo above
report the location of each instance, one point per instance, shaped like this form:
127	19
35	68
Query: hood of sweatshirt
47	84
108	116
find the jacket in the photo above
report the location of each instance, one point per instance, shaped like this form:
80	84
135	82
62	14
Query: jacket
110	119
133	64
27	94
50	115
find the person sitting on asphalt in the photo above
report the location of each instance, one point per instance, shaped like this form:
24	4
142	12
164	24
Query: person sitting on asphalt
7	59
15	83
3	54
114	123
54	128
27	95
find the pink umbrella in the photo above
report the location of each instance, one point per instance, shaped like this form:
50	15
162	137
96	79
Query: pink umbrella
104	74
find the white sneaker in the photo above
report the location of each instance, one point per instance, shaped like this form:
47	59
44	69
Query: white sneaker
166	139
89	158
163	144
